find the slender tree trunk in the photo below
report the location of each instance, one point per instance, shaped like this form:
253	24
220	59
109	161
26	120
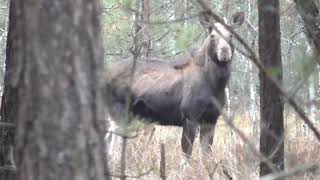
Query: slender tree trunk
228	98
309	12
56	71
179	13
137	36
146	41
180	7
253	108
312	108
318	93
252	90
271	103
228	104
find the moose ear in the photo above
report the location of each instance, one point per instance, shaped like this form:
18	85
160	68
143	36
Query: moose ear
206	20
237	19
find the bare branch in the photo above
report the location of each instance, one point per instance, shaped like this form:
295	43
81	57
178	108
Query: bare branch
8	168
132	176
7	125
123	135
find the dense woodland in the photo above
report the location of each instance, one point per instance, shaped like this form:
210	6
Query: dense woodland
265	128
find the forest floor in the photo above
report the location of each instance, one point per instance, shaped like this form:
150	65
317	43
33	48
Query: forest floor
232	157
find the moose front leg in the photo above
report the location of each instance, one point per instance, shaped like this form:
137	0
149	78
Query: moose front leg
187	139
206	139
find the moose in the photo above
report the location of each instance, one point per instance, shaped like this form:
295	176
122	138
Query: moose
185	93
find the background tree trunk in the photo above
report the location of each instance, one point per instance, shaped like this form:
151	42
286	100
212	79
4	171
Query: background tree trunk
312	108
9	102
253	106
180	7
56	70
271	103
146	41
309	12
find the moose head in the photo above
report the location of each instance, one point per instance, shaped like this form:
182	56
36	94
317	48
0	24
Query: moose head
219	44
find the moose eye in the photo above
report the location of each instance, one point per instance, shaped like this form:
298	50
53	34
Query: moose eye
230	38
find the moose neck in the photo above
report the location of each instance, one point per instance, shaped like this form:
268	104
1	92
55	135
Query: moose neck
218	74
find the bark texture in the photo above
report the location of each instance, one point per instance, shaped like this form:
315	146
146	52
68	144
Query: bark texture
9	101
271	103
56	70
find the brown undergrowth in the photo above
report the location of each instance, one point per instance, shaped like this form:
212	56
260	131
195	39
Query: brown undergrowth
231	158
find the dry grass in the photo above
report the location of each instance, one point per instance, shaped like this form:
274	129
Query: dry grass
231	156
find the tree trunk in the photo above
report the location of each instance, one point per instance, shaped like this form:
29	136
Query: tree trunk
253	106
253	111
56	71
312	107
309	12
180	10
146	41
271	103
228	101
9	101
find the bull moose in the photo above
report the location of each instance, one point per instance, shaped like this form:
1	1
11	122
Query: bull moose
178	94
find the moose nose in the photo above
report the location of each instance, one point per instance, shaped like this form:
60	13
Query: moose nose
224	54
224	50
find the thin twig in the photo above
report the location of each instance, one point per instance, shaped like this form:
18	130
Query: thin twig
123	135
7	125
132	176
226	172
8	168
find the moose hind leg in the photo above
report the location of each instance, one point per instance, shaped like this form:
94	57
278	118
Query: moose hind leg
206	139
187	139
